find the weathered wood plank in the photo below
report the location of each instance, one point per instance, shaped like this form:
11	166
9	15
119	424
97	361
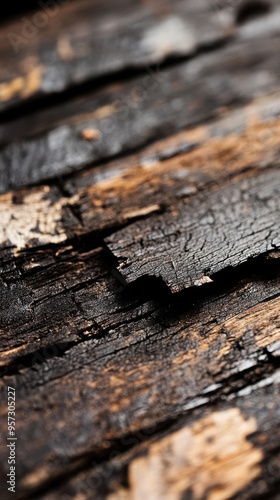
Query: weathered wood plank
229	450
128	115
105	198
65	44
39	311
191	243
131	392
210	347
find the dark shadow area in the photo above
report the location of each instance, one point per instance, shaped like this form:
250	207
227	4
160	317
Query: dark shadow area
251	10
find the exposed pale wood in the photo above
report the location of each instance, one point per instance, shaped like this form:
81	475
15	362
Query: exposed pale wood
239	423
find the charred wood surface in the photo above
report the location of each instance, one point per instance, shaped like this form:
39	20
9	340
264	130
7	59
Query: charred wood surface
139	246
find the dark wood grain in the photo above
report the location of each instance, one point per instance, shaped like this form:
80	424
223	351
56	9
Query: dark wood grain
66	44
140	279
193	242
103	199
155	363
214	437
128	115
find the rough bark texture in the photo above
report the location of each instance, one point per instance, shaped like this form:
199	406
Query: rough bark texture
139	246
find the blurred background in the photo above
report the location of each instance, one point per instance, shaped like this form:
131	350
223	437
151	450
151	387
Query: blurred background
132	71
